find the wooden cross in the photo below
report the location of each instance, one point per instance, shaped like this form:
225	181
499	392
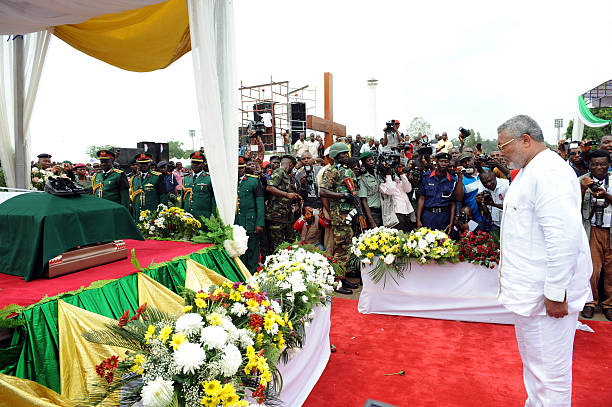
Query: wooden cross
327	124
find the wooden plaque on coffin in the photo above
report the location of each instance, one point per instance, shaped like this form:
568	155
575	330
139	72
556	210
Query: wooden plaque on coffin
85	257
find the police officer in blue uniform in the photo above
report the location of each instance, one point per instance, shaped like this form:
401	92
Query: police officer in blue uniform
436	197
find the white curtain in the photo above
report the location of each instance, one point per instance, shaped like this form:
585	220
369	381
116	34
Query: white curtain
35	47
25	16
212	42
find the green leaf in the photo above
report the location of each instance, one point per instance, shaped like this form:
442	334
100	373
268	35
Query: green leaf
135	261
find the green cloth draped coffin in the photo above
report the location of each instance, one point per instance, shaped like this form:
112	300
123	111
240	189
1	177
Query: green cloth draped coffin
36	227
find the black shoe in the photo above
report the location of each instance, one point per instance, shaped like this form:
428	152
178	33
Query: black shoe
588	311
343	290
353	274
348	284
607	313
55	186
68	183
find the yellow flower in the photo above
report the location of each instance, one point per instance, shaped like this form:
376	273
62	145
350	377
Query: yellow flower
202	295
212	388
187	308
200	303
210	401
370	255
252	305
149	334
228	391
217	291
290	325
241	288
214	318
138	366
164	334
235	295
177	340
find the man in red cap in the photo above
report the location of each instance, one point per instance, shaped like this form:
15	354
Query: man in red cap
148	189
198	197
110	183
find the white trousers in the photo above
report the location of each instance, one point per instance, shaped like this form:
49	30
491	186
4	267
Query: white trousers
546	345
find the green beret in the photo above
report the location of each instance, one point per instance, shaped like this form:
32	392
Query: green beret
366	154
464	156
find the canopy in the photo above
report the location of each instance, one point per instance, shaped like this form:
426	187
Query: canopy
145	35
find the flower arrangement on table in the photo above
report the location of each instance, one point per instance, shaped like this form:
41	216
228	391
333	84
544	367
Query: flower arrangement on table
39	178
478	248
232	238
168	223
394	249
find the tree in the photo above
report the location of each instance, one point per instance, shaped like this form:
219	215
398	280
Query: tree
417	128
593	133
92	150
176	150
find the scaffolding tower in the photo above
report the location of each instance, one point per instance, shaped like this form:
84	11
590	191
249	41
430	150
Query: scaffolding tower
276	98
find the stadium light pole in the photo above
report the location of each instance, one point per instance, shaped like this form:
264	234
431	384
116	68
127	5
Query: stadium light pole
192	135
558	125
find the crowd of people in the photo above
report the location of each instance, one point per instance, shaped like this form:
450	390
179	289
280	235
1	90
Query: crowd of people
327	196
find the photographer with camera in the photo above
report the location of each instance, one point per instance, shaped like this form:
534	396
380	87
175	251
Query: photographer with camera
396	187
306	177
392	135
490	198
436	197
369	190
596	219
467	173
575	159
464	222
463	135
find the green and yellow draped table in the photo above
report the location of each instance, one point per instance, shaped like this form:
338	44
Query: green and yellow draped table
36	227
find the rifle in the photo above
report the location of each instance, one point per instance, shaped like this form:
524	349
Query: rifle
351	187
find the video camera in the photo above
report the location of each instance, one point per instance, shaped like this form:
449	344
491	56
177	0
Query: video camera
464	132
462	218
386	161
258	127
389	125
488	198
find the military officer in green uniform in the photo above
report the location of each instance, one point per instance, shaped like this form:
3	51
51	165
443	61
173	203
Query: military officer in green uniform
110	183
148	188
250	213
341	202
282	203
198	197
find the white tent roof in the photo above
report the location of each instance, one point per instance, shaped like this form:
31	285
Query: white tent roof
25	16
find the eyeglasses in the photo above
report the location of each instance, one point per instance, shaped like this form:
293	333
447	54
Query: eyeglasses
500	147
573	153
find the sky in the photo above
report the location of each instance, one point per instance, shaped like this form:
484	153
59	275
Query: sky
469	63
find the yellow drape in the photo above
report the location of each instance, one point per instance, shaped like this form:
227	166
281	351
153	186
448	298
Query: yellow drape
158	296
79	357
140	40
17	392
243	269
199	277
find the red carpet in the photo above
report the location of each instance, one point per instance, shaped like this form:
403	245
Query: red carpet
447	363
14	289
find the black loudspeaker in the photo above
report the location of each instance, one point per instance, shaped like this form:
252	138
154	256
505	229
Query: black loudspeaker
125	156
297	120
269	137
159	151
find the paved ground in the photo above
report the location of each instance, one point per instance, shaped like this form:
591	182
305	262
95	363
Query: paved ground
355	296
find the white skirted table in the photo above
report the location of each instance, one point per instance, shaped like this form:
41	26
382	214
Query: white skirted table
301	373
461	291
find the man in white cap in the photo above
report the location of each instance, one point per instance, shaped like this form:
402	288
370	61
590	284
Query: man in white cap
545	261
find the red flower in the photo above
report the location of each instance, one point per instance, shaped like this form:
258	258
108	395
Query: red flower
461	258
259	393
255	322
109	377
124	319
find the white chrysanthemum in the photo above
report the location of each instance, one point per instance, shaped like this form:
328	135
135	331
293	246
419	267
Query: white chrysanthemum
389	258
239	243
273	329
245	338
189	323
231	360
189	357
238	309
157	393
214	337
422	244
276	307
366	261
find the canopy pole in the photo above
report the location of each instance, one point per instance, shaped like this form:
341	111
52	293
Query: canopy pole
18	93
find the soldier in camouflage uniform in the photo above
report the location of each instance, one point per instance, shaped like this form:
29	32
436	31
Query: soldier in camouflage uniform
341	202
282	202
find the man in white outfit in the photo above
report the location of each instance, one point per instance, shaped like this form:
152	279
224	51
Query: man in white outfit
545	264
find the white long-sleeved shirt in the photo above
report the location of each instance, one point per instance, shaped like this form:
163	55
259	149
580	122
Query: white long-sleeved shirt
399	189
544	249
